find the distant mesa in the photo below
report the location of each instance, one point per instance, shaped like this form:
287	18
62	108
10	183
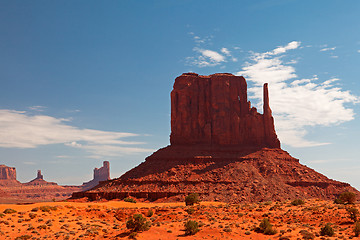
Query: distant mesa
13	191
8	176
221	148
38	189
100	174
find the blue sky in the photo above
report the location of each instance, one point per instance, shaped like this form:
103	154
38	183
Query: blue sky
87	81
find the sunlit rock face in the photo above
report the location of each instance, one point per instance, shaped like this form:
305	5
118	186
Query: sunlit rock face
7	173
214	110
221	148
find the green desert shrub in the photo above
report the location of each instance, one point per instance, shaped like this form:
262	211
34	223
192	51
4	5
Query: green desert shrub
133	235
128	199
191	199
266	227
346	198
353	213
9	211
47	208
191	227
357	229
307	235
297	202
150	213
137	223
190	210
327	230
23	237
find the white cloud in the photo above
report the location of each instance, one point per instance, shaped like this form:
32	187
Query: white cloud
18	129
29	163
327	49
37	108
212	55
296	103
207	58
358	51
281	49
226	51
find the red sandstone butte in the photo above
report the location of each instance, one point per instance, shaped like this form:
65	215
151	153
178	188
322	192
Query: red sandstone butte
100	174
221	148
214	110
8	176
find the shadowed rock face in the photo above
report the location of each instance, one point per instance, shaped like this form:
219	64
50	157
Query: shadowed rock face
220	148
214	110
100	174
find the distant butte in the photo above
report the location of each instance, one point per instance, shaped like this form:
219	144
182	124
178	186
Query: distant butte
221	148
100	174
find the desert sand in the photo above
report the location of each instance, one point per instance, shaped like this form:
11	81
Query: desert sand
107	220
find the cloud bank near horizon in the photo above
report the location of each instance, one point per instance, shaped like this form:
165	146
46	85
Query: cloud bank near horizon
18	129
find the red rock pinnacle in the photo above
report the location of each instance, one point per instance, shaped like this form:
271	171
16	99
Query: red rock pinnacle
214	110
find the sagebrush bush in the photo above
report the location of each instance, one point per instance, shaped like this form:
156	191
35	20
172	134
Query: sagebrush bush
346	198
327	230
191	199
9	211
128	199
191	227
47	208
353	213
266	227
357	229
150	213
190	210
297	202
137	223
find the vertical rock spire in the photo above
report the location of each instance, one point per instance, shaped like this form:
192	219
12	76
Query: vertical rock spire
266	106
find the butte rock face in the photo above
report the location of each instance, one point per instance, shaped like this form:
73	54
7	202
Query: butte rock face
221	148
214	110
100	174
8	176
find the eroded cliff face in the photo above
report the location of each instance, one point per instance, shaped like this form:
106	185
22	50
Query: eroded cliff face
7	173
214	110
100	174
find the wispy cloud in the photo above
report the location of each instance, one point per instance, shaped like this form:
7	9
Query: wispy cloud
206	57
18	129
37	108
296	103
327	49
225	51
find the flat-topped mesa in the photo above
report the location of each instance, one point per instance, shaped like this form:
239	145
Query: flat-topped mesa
214	110
7	173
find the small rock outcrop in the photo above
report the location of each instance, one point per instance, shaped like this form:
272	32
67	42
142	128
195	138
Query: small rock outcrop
100	174
221	148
